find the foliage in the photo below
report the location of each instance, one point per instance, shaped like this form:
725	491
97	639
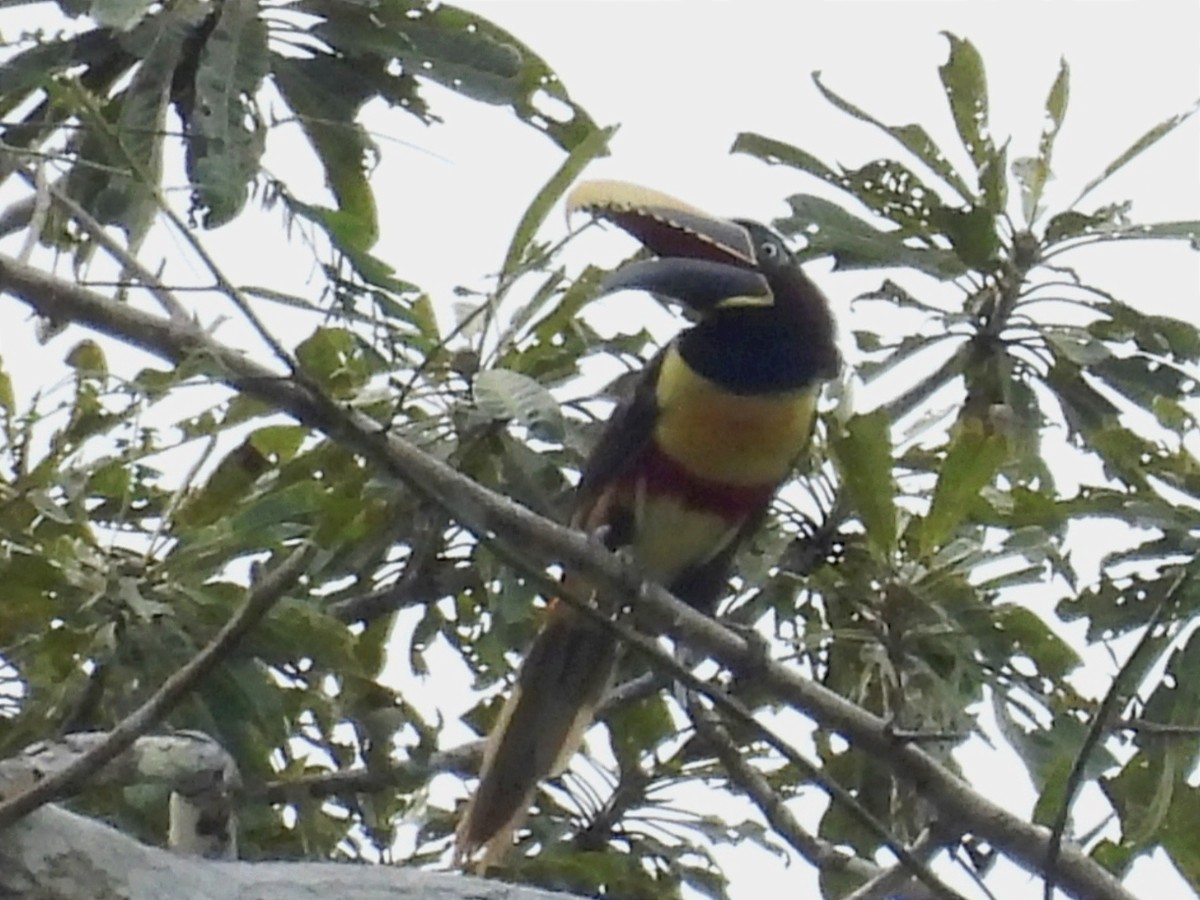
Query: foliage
894	571
102	97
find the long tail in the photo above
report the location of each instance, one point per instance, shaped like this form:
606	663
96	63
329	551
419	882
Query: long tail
541	726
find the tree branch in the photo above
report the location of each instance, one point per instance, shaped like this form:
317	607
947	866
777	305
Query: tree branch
821	854
72	776
1100	727
56	853
499	520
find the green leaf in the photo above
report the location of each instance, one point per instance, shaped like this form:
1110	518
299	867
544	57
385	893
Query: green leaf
966	88
227	488
913	138
510	396
894	191
119	15
87	358
778	153
1178	837
326	94
279	443
565	316
993	182
1069	224
863	454
226	140
1145	380
594	145
338	359
461	51
1158	335
1034	172
637	727
1187	230
347	233
1086	411
8	400
972	461
972	233
1032	637
34	68
141	123
293	504
1142	795
1145	142
1114	608
1111	223
828	229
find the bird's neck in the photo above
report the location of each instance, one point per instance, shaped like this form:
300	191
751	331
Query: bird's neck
759	351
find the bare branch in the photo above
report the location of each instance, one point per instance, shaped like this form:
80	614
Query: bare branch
754	785
897	882
505	523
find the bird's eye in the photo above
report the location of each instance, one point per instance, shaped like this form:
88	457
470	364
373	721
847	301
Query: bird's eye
768	250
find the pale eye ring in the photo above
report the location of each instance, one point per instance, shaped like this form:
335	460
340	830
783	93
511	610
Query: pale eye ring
768	250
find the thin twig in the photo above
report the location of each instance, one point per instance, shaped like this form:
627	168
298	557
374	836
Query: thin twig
1099	728
493	518
896	881
820	853
72	777
733	708
1158	729
97	232
223	284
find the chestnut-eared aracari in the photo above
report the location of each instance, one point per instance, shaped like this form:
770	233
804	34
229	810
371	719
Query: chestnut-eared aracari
684	471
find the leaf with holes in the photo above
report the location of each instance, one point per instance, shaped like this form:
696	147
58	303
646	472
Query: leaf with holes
965	83
227	140
1032	172
1140	146
510	396
828	229
914	138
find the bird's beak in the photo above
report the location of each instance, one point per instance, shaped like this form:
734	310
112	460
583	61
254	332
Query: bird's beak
702	260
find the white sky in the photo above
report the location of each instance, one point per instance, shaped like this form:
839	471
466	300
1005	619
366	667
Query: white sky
683	78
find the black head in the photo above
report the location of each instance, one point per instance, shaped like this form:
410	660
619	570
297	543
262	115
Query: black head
737	275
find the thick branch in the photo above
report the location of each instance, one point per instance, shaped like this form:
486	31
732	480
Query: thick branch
498	519
55	853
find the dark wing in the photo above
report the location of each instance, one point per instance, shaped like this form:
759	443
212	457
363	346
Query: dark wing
620	445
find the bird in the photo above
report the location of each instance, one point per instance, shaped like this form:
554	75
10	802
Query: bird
684	471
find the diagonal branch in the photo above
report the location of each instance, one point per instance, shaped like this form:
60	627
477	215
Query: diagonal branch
72	776
821	854
498	520
734	709
1100	727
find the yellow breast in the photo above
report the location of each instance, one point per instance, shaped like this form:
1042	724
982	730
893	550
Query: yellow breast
736	439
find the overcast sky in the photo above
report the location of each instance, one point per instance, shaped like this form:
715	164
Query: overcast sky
683	78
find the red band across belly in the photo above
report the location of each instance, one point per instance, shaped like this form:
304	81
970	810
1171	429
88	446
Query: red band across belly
664	475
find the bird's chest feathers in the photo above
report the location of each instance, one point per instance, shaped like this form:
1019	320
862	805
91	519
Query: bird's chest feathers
719	435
